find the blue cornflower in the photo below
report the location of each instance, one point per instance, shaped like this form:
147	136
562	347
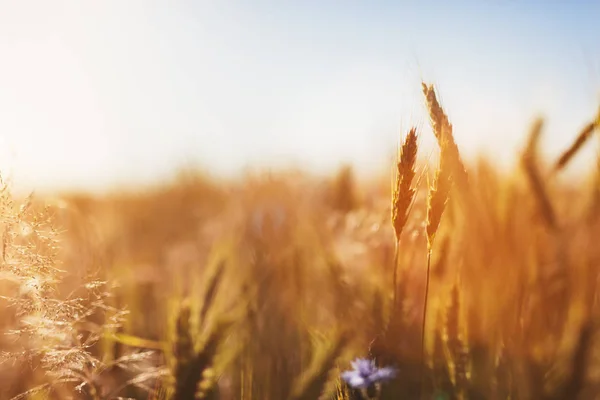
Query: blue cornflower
365	373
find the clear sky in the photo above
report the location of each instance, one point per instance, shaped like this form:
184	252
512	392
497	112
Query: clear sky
97	93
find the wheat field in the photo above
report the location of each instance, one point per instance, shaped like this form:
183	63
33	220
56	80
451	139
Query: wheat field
454	282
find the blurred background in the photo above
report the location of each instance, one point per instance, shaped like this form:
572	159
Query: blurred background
97	95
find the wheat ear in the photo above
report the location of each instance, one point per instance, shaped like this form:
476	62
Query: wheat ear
403	196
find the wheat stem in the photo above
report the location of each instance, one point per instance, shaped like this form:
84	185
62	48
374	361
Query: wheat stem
424	323
395	279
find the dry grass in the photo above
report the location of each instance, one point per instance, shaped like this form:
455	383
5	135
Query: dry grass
473	283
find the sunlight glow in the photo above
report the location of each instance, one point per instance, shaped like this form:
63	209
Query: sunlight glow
99	94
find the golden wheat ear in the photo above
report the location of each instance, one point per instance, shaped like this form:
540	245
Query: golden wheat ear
439	193
403	195
443	131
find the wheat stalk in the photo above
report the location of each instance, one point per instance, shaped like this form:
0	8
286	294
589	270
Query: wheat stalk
403	197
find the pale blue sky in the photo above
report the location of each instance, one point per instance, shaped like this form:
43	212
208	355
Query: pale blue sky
97	93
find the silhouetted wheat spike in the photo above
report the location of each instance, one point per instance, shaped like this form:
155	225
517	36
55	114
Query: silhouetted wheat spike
193	370
529	162
200	367
583	137
183	346
211	290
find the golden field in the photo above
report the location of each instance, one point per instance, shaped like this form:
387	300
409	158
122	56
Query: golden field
472	282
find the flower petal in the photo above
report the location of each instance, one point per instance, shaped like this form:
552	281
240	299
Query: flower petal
354	379
383	374
363	366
